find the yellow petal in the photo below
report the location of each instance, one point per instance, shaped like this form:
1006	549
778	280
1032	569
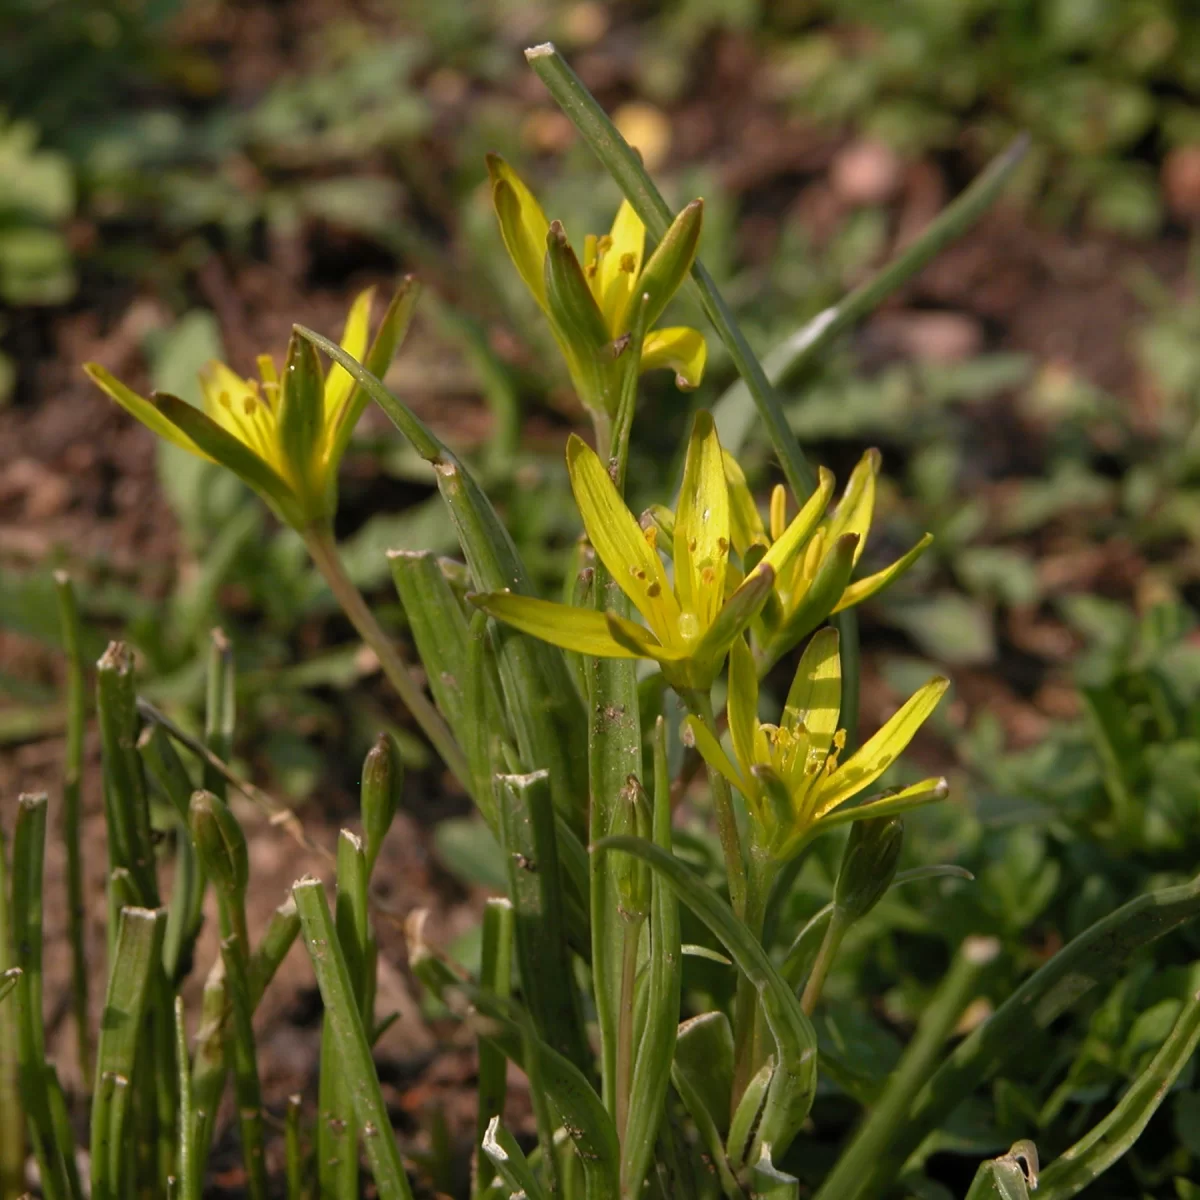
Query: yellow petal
857	592
873	758
581	629
891	804
857	505
802	526
618	270
702	526
713	754
620	541
680	349
815	697
742	705
641	642
140	408
523	225
338	384
745	522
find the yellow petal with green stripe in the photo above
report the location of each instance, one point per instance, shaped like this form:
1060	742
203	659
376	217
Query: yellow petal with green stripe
702	526
619	268
890	804
857	505
620	542
338	384
140	408
859	591
742	704
802	525
815	697
581	629
714	754
523	224
878	753
745	522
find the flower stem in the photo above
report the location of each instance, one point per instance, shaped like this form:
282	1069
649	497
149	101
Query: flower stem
700	704
320	543
839	923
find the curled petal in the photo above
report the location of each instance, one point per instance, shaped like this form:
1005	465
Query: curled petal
680	349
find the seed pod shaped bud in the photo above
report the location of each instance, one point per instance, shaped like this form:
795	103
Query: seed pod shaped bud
572	306
382	780
868	865
632	816
220	843
672	260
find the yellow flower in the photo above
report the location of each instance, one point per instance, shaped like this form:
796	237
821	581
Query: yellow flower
284	436
690	620
816	582
590	305
790	773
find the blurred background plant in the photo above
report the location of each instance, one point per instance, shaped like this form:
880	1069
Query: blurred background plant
182	181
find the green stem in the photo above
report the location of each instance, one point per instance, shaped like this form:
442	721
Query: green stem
320	543
700	705
631	935
68	611
835	931
747	1011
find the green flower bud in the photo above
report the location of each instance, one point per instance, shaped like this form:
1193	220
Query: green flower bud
382	780
220	843
632	816
868	865
672	260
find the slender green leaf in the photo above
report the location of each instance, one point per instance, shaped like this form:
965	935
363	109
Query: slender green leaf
350	1040
510	1163
531	851
543	705
136	960
793	1083
495	976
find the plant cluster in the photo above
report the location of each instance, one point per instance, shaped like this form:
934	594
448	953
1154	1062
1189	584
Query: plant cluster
580	728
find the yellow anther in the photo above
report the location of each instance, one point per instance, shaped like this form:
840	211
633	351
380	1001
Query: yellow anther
628	264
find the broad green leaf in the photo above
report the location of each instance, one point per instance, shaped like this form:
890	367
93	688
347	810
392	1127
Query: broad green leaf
510	1163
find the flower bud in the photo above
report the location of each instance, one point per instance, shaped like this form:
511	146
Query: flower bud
868	865
382	779
672	260
220	843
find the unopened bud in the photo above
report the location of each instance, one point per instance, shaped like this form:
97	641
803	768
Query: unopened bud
382	779
868	865
219	842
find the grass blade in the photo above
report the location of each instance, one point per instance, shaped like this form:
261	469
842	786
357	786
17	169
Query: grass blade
295	1152
1094	955
1103	1145
68	615
531	855
185	1123
495	976
337	1130
803	348
510	1163
656	1049
852	1175
793	1084
350	1039
581	1112
29	849
220	709
12	1123
136	958
543	705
